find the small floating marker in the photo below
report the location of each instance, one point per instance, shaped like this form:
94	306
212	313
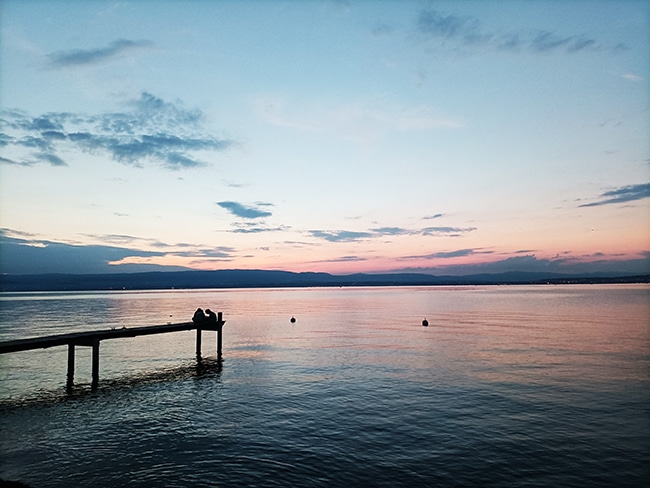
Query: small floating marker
293	320
425	323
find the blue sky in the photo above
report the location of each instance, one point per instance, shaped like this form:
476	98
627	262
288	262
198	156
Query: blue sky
442	137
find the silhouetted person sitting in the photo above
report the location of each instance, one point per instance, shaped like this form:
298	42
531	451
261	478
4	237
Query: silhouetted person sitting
212	317
199	317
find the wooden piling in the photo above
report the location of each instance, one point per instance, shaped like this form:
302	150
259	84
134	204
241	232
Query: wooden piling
70	375
219	334
95	370
198	344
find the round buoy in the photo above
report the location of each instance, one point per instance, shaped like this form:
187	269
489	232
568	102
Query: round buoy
293	320
425	323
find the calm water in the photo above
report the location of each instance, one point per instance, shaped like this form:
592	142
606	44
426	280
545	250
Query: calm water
508	386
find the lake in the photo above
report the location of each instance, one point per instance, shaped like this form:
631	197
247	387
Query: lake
526	386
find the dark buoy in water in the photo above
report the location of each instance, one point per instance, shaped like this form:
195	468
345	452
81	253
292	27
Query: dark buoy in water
425	323
293	320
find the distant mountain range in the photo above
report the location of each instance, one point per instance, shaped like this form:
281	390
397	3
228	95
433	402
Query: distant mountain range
161	280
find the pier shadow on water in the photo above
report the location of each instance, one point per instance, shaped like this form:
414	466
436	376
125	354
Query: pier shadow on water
205	369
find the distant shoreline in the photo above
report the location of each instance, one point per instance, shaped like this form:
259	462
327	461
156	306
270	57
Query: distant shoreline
225	279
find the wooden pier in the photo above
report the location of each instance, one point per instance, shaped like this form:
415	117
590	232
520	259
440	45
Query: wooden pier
93	338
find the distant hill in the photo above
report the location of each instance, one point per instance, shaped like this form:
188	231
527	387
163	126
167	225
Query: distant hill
161	280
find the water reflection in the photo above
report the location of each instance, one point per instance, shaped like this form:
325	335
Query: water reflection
530	385
495	334
207	369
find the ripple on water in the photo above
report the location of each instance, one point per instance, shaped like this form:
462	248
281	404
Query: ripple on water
500	390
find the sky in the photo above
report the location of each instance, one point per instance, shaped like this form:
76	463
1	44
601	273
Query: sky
443	137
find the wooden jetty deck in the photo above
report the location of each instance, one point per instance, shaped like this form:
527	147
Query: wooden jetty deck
93	338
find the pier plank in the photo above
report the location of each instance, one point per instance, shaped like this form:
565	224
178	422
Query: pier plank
89	338
93	338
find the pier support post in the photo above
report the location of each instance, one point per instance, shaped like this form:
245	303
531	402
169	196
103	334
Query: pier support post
70	375
198	344
219	334
95	371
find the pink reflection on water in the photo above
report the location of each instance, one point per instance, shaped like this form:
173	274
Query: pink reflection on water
526	334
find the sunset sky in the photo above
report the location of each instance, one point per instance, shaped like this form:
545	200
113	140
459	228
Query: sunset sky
338	136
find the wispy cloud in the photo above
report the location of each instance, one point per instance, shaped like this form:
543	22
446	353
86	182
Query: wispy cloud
5	140
444	254
358	121
549	41
4	160
623	194
391	231
341	235
120	239
433	231
467	31
80	57
379	232
6	232
219	252
632	77
232	184
151	131
179	249
53	159
242	228
342	259
245	211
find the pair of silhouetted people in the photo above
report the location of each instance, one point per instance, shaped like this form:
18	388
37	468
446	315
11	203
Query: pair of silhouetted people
200	317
